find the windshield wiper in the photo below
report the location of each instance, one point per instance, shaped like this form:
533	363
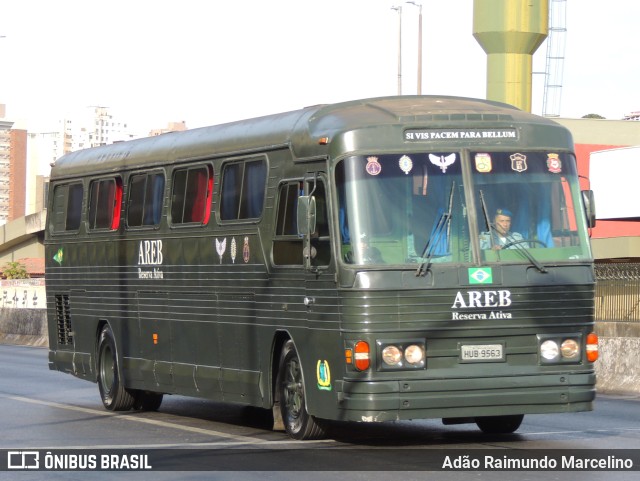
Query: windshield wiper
516	245
441	227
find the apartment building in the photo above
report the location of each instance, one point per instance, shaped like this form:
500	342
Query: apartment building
13	161
5	162
43	148
88	127
92	127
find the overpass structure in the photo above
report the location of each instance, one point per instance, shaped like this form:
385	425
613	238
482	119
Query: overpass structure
23	238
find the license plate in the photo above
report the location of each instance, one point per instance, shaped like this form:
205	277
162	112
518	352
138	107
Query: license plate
482	353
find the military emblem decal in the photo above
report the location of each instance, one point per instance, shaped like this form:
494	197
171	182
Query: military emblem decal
246	252
442	161
483	163
406	164
221	246
554	164
373	166
323	374
234	249
518	162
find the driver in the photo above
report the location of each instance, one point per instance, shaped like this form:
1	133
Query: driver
502	235
368	253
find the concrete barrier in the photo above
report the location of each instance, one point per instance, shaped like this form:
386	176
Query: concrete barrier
617	369
618	366
27	327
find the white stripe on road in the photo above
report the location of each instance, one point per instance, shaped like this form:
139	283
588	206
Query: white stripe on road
128	417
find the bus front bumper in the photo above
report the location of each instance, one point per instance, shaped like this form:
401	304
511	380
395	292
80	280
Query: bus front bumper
377	401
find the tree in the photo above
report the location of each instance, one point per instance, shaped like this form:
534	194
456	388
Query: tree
15	270
593	116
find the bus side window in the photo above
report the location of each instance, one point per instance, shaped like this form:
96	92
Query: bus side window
67	207
287	245
243	187
104	203
191	196
320	240
145	199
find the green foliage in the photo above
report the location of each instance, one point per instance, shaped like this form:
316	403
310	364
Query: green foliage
593	116
15	270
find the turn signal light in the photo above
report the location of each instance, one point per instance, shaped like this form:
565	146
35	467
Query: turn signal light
348	356
592	347
361	356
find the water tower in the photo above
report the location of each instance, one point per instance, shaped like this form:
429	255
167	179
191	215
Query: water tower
510	31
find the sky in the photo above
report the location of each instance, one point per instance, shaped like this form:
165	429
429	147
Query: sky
212	61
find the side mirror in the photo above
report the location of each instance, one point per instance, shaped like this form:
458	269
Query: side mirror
589	204
306	215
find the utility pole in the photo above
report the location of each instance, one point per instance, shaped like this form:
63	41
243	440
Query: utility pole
419	5
399	10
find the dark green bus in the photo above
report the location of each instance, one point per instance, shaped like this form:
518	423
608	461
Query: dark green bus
341	262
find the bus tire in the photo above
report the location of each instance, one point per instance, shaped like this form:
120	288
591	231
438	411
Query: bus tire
114	395
298	423
499	424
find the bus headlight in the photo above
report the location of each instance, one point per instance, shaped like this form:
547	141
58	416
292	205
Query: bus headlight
570	349
391	355
560	348
414	354
549	350
405	355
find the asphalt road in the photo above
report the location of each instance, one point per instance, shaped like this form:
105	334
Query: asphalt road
44	410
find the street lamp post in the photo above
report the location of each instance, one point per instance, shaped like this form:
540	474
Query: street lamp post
419	5
399	10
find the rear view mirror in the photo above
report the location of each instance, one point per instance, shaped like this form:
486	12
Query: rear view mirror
306	215
589	204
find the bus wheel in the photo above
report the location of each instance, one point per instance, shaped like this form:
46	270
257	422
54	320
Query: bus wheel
499	424
114	395
290	384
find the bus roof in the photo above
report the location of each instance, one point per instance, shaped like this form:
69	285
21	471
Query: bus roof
298	130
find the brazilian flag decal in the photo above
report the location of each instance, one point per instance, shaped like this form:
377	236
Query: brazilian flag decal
59	256
480	275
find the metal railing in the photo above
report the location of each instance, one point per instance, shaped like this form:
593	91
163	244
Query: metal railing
618	292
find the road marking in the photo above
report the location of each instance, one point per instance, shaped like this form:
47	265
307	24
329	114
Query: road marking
239	439
263	445
586	431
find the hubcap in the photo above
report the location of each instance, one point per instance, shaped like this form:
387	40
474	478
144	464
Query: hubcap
107	369
294	391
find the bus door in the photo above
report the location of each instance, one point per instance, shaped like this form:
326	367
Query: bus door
301	245
313	229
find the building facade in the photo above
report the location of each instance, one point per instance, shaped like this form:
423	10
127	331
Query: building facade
171	127
17	173
93	127
43	149
5	154
13	161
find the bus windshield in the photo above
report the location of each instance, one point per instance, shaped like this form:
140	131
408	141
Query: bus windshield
528	202
411	208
